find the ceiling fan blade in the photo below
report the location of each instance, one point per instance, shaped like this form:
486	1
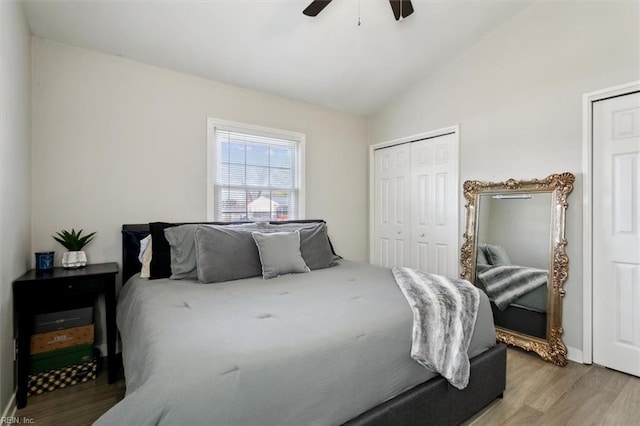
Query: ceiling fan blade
401	8
316	7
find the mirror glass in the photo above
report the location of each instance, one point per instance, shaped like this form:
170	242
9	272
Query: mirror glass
512	263
514	250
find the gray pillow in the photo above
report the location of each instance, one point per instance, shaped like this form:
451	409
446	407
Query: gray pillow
314	243
183	251
481	257
182	243
280	253
497	255
225	253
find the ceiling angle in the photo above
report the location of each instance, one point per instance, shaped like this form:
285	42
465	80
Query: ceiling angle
401	8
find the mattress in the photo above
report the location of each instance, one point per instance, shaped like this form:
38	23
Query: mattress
315	349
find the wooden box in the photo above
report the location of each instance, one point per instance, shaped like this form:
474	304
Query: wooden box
44	342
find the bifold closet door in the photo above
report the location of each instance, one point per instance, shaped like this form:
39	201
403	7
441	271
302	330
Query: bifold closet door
392	206
434	205
416	205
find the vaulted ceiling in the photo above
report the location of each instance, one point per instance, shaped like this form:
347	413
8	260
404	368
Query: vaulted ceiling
269	45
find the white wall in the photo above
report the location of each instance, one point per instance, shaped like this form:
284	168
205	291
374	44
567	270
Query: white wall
15	178
517	95
116	141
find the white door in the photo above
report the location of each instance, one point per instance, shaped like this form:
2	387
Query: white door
434	206
392	208
616	233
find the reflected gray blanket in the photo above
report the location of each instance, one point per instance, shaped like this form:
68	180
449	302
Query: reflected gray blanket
506	283
444	316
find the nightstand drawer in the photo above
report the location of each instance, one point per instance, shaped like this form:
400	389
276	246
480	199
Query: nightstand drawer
60	288
85	285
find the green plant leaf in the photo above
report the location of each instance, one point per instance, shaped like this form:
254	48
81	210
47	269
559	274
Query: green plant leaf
73	241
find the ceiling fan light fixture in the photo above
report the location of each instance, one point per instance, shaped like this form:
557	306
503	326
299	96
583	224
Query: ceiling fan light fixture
401	8
316	7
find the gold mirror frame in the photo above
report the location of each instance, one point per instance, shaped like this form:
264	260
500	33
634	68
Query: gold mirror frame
560	185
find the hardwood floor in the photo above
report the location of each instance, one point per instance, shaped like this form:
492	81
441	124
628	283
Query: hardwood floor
75	405
538	393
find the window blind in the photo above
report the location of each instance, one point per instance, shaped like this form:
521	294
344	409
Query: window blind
256	177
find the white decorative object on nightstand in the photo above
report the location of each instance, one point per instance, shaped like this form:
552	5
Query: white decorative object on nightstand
74	259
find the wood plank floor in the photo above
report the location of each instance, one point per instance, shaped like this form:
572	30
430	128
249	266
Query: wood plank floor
75	405
538	393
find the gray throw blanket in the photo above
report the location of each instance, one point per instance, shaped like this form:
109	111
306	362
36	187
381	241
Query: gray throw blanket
506	283
444	317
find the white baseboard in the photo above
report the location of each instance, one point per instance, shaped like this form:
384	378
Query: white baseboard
10	409
575	355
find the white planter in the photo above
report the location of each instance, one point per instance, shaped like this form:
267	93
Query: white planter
74	259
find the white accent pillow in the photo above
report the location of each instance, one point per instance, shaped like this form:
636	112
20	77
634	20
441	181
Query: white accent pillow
280	253
146	253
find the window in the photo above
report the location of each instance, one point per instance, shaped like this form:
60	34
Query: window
254	173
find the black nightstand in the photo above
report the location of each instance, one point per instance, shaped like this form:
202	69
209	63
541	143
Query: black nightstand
37	292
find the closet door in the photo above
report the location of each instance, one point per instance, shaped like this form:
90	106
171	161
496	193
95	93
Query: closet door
434	205
392	206
616	233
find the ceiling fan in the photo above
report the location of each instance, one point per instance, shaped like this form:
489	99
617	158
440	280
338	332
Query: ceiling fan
401	8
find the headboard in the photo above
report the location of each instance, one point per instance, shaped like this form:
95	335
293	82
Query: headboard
133	233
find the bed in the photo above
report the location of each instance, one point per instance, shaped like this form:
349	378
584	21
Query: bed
330	346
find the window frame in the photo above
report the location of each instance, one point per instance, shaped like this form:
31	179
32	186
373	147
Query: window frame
212	157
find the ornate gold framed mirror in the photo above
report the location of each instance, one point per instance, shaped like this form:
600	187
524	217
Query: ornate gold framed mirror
514	250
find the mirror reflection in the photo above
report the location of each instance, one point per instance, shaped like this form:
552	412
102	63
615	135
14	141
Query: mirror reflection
512	260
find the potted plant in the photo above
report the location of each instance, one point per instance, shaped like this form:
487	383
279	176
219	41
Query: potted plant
74	242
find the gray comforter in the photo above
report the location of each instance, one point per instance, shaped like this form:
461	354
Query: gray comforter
308	349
